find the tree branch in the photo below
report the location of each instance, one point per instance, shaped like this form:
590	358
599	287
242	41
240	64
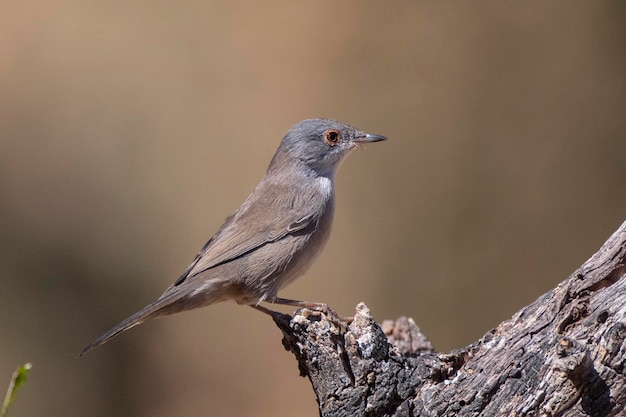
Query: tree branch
563	355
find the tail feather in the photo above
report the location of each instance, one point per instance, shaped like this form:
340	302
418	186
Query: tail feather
132	321
167	304
174	300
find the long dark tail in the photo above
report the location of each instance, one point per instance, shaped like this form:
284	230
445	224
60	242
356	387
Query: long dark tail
137	318
168	304
174	300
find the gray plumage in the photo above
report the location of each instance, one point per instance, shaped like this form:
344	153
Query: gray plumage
274	236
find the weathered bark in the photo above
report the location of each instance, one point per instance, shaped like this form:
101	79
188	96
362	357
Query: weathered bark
563	355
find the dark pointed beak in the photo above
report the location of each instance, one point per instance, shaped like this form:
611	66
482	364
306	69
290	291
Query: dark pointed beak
367	138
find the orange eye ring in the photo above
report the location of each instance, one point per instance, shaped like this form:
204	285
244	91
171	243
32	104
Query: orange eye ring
332	137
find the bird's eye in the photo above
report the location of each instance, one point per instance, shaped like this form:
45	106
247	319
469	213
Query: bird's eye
332	137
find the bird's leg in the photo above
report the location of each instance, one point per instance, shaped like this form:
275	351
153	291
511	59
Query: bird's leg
264	310
301	304
320	307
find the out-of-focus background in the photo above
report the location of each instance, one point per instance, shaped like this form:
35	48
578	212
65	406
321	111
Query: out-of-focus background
130	130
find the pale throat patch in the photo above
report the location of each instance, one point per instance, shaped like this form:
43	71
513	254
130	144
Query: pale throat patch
325	185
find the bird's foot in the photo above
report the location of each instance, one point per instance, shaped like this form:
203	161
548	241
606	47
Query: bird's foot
315	308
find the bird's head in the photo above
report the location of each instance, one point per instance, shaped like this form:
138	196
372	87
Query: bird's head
319	145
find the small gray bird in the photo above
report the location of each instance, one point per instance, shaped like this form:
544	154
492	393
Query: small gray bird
274	236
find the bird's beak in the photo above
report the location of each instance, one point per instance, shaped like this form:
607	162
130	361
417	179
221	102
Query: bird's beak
367	138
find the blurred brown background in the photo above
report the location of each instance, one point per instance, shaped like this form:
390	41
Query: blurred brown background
130	130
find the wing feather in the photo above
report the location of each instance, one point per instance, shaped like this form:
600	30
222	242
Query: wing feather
246	230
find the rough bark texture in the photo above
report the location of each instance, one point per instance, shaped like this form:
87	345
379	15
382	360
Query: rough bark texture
563	355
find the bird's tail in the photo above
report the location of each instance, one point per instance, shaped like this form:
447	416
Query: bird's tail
167	304
174	300
132	321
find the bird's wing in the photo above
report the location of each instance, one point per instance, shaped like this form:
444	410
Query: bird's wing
242	233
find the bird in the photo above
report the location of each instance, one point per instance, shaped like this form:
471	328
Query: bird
274	236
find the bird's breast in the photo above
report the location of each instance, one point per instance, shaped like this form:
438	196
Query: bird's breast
290	257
